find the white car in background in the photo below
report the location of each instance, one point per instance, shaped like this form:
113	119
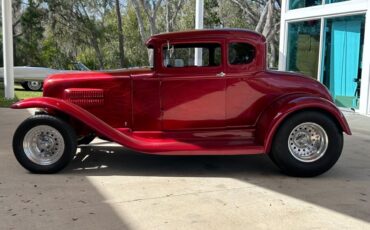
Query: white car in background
32	78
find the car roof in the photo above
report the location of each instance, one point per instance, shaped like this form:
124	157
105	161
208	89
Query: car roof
207	33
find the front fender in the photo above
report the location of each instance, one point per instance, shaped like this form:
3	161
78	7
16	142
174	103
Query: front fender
93	122
276	113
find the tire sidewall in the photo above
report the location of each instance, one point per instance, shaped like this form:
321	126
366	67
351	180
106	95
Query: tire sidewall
292	166
30	87
65	130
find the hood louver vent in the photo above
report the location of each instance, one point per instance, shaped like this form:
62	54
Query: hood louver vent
84	97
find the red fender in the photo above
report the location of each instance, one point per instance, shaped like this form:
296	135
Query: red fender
80	114
275	114
95	123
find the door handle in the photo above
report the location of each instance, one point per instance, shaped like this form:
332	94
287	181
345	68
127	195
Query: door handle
222	74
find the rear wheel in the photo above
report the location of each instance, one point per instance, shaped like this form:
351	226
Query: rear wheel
44	144
307	144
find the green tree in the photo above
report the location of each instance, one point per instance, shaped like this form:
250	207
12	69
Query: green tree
28	45
265	17
136	54
80	23
111	33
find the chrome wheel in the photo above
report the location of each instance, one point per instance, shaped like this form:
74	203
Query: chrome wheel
308	142
43	145
34	85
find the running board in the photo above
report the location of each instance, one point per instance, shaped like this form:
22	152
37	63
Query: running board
226	142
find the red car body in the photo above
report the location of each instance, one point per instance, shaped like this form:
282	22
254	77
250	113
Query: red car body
217	110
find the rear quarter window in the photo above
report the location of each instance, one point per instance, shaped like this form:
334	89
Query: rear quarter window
241	53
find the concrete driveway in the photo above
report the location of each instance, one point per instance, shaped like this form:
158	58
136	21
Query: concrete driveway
107	187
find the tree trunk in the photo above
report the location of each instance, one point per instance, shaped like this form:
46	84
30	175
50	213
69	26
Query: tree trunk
151	16
121	38
264	16
168	22
139	18
272	58
267	30
98	53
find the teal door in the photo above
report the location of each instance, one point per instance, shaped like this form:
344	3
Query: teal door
344	64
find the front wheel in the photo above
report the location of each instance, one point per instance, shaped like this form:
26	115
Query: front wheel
307	144
32	85
44	144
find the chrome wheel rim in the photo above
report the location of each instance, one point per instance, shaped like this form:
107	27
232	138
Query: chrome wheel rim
308	142
34	85
43	145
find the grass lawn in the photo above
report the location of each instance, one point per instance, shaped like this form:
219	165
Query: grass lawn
20	94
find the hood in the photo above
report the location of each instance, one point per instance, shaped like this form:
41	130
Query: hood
99	74
56	84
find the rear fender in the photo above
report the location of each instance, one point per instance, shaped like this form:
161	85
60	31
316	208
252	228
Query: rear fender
275	114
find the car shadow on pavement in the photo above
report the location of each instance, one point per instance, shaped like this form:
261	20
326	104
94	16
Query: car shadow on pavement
342	189
115	160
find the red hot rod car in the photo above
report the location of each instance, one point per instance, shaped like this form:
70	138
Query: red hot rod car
208	92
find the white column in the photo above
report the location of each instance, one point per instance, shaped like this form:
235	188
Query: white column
283	36
199	11
321	49
8	49
365	76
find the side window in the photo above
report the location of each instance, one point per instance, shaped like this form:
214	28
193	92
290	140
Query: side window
183	55
241	53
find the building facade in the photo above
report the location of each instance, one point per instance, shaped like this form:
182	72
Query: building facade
329	40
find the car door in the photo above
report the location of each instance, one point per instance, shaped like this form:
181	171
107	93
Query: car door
244	60
192	89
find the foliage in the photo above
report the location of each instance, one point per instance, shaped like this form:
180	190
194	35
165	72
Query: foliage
20	94
6	102
54	33
136	54
264	17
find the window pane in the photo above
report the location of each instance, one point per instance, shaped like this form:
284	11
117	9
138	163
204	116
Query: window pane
341	66
295	4
151	57
241	53
183	55
303	47
334	1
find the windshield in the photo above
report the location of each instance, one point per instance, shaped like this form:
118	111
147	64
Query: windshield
80	66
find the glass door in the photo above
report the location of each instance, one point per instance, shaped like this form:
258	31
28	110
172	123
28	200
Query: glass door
341	67
303	47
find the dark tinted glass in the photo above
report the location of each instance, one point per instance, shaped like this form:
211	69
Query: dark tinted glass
241	53
296	4
184	55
